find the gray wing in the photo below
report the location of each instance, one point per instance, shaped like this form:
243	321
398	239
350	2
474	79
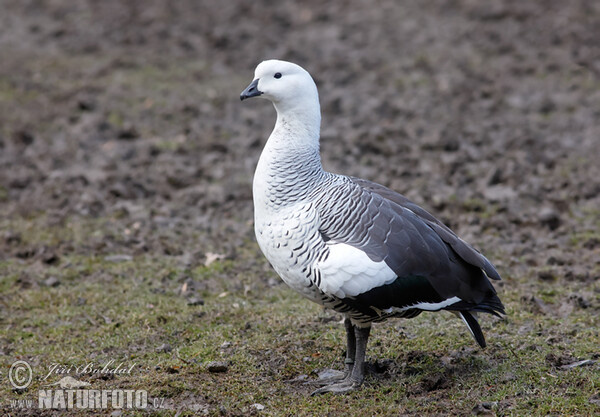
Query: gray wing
462	248
432	264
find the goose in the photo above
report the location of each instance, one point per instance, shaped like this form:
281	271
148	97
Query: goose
350	244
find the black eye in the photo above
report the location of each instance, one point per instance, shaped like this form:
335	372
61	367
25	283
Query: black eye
277	75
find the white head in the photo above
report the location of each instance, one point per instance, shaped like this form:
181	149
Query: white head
287	85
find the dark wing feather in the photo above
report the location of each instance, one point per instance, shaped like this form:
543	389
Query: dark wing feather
400	293
462	248
388	227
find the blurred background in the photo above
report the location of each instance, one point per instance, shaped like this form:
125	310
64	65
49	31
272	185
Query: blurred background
123	143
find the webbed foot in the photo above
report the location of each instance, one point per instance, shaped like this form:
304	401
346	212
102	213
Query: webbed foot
345	385
329	377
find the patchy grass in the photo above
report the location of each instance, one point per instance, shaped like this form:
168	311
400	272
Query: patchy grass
167	321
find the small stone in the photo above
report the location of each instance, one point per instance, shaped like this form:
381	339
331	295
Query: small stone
495	177
193	301
577	273
538	306
25	253
592	243
128	132
549	217
186	259
118	258
579	301
217	367
11	238
164	348
546	275
23	137
499	193
50	258
258	406
555	260
483	409
51	282
85	104
509	376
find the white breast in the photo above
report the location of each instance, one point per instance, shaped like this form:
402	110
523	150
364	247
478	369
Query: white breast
289	239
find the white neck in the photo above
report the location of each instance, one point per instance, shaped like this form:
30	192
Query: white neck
290	162
297	127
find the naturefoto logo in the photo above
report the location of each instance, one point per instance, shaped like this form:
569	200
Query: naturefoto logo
73	396
71	393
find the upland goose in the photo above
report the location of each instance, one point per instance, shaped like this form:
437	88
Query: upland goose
350	244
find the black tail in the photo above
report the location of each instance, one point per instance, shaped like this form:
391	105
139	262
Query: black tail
473	326
491	305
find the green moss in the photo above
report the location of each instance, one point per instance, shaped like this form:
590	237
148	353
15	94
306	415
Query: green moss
269	335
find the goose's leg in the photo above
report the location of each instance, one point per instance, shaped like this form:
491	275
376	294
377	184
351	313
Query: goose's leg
349	361
355	378
362	337
350	346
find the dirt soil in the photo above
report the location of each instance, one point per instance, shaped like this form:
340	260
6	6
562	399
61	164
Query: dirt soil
128	114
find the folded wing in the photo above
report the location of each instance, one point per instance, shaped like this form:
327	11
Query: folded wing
388	254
